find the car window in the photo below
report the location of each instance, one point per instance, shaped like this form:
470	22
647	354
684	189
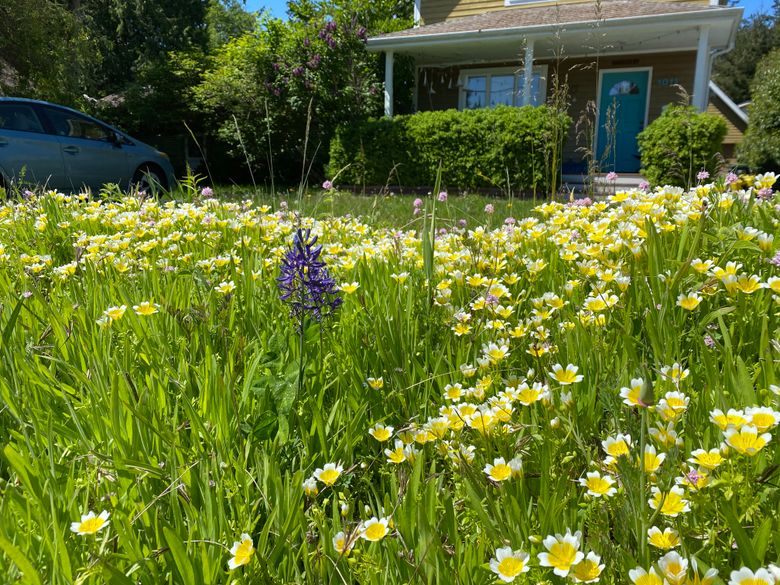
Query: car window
74	126
19	117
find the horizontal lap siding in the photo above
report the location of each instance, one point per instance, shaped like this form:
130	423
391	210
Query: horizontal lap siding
438	90
433	11
734	127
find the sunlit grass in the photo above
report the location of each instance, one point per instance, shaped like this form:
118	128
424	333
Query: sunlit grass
162	420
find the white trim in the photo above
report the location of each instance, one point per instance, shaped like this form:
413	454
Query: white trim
598	98
701	73
688	18
528	72
389	59
489	72
417	13
715	88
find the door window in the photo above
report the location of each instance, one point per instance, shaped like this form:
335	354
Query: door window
20	117
71	125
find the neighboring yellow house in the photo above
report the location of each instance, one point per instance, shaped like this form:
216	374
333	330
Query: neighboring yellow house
630	57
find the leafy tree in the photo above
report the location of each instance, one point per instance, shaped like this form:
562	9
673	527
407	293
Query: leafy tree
278	94
761	148
45	52
756	36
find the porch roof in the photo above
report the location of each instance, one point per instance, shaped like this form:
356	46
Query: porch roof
622	26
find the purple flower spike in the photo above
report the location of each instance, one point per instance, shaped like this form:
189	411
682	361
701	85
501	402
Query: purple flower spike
305	283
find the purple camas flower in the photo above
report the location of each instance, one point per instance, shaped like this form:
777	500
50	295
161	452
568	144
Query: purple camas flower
709	341
731	178
327	185
418	202
612	176
443	196
207	192
305	283
702	176
489	209
644	186
775	261
765	193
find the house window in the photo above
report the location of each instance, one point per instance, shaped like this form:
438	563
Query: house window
489	88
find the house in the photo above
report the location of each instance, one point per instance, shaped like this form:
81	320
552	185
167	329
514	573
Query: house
622	60
736	119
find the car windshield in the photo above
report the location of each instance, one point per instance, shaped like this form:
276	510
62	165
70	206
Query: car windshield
19	117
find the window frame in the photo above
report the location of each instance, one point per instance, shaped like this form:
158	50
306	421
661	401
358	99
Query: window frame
489	72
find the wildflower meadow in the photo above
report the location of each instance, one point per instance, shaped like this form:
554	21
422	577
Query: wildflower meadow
217	391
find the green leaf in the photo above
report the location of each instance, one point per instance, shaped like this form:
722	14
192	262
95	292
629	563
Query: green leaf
744	544
179	553
29	574
115	577
9	327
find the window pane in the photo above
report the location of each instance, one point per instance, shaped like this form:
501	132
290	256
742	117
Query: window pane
72	125
19	117
476	92
537	97
501	89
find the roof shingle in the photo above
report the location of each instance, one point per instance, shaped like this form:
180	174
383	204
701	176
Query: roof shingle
521	17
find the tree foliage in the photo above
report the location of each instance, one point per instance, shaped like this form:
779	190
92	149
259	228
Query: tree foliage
279	93
761	147
756	36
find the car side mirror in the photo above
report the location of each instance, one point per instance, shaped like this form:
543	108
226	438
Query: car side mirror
115	139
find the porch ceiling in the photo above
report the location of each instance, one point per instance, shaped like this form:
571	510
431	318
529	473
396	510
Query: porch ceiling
501	35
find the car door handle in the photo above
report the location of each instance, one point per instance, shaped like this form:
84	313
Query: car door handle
71	149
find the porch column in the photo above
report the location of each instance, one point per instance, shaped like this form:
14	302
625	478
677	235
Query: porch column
700	80
417	14
389	58
528	73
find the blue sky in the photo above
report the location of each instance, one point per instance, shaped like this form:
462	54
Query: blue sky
279	7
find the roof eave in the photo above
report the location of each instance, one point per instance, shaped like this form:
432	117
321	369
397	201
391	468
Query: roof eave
733	14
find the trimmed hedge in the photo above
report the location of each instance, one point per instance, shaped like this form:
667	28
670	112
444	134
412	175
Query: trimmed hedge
679	144
476	148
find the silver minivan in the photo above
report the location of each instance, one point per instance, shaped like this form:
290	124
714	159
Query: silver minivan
59	148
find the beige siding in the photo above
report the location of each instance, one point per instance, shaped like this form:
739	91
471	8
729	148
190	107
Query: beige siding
438	88
734	134
433	11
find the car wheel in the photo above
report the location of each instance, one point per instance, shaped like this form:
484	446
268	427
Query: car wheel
148	179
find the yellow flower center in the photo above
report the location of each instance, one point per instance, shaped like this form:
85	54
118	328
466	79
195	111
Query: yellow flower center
586	570
91	525
397	456
565	376
562	555
375	532
244	552
500	472
329	476
598	485
689	303
649	579
381	434
511	567
747	443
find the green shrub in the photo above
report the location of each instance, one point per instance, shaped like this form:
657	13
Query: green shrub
761	148
476	148
679	144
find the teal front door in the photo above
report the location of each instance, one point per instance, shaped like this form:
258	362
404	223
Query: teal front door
622	109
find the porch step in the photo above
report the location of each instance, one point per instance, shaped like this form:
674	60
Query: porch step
581	184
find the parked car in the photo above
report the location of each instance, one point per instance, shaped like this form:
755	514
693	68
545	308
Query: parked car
60	148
